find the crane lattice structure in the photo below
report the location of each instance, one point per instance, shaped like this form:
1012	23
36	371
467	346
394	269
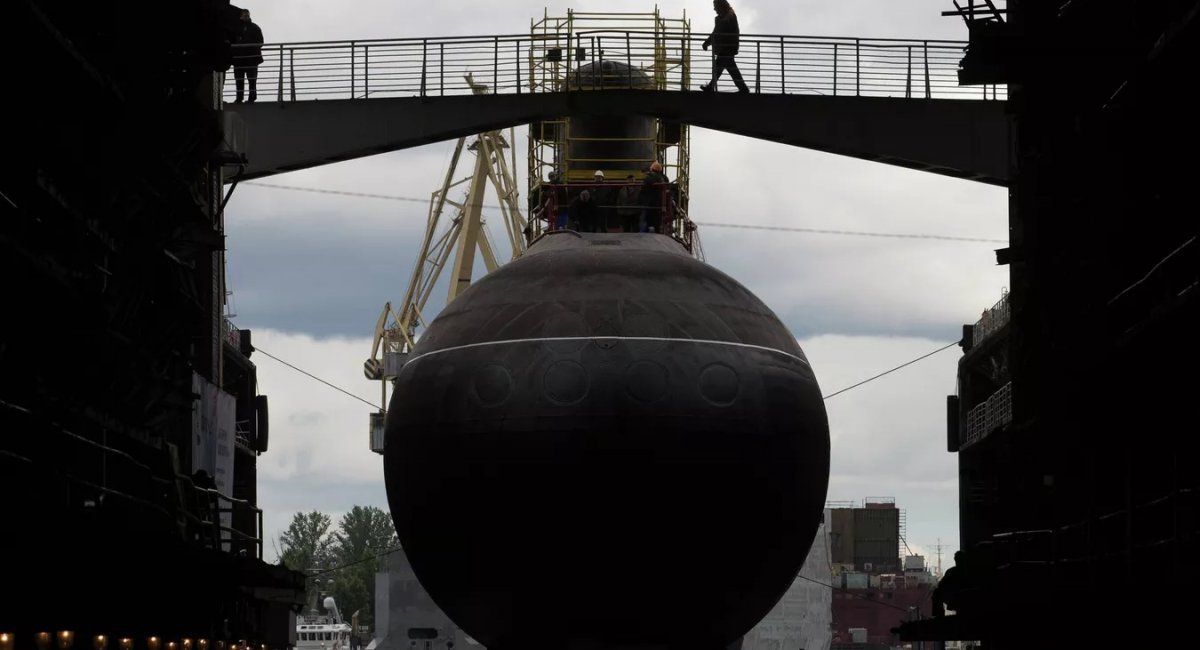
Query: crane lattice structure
452	242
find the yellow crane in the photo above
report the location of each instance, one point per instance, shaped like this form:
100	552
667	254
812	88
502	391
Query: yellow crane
452	243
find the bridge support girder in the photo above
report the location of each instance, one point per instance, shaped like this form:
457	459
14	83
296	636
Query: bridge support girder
966	139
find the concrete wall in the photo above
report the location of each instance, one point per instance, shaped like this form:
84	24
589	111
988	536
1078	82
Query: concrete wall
801	619
402	604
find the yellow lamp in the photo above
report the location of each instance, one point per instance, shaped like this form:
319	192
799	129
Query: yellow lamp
153	643
42	640
6	641
100	642
65	639
126	643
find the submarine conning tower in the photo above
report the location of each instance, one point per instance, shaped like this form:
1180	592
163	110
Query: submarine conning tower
589	52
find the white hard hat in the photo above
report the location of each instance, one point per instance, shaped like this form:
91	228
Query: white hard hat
599	173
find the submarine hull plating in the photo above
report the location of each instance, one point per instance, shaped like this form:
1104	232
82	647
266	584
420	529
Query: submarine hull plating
606	442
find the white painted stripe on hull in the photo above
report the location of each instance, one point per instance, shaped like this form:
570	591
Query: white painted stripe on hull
658	339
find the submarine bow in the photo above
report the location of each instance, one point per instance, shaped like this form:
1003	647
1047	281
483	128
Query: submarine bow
606	442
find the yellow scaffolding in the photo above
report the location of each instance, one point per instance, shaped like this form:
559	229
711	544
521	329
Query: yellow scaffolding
586	51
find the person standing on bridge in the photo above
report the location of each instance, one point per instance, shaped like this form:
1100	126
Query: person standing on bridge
724	41
247	56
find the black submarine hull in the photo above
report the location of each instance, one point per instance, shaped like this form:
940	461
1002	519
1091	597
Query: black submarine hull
606	442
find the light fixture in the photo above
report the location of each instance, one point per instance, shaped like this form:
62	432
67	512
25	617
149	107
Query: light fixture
153	643
6	641
42	640
65	639
220	645
100	642
126	643
171	645
186	644
201	644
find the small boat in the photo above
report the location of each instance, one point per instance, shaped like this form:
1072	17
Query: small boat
323	631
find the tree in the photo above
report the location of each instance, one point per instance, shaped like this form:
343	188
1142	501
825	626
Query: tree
307	547
363	537
363	532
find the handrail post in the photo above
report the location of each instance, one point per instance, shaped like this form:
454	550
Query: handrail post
424	62
925	44
685	72
292	69
835	58
857	67
280	97
517	55
352	69
663	209
782	69
496	65
366	71
757	66
629	59
442	68
908	76
578	48
598	48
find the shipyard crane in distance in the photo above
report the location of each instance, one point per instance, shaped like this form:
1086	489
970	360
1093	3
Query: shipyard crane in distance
450	241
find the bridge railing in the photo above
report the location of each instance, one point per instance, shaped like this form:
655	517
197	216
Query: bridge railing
512	64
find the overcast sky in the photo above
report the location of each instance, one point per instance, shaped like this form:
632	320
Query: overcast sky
310	272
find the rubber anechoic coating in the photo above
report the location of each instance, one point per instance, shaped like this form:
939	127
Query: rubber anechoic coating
606	442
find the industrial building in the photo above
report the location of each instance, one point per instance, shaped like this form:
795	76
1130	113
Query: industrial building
867	537
1074	420
130	420
878	582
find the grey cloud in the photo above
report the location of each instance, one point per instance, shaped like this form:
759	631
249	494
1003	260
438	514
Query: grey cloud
306	418
318	280
325	264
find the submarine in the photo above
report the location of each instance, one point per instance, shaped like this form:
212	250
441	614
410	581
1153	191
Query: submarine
606	442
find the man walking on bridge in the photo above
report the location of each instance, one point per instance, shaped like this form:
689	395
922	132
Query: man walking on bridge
724	41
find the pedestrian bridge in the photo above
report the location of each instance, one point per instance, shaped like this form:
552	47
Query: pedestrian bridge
892	101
